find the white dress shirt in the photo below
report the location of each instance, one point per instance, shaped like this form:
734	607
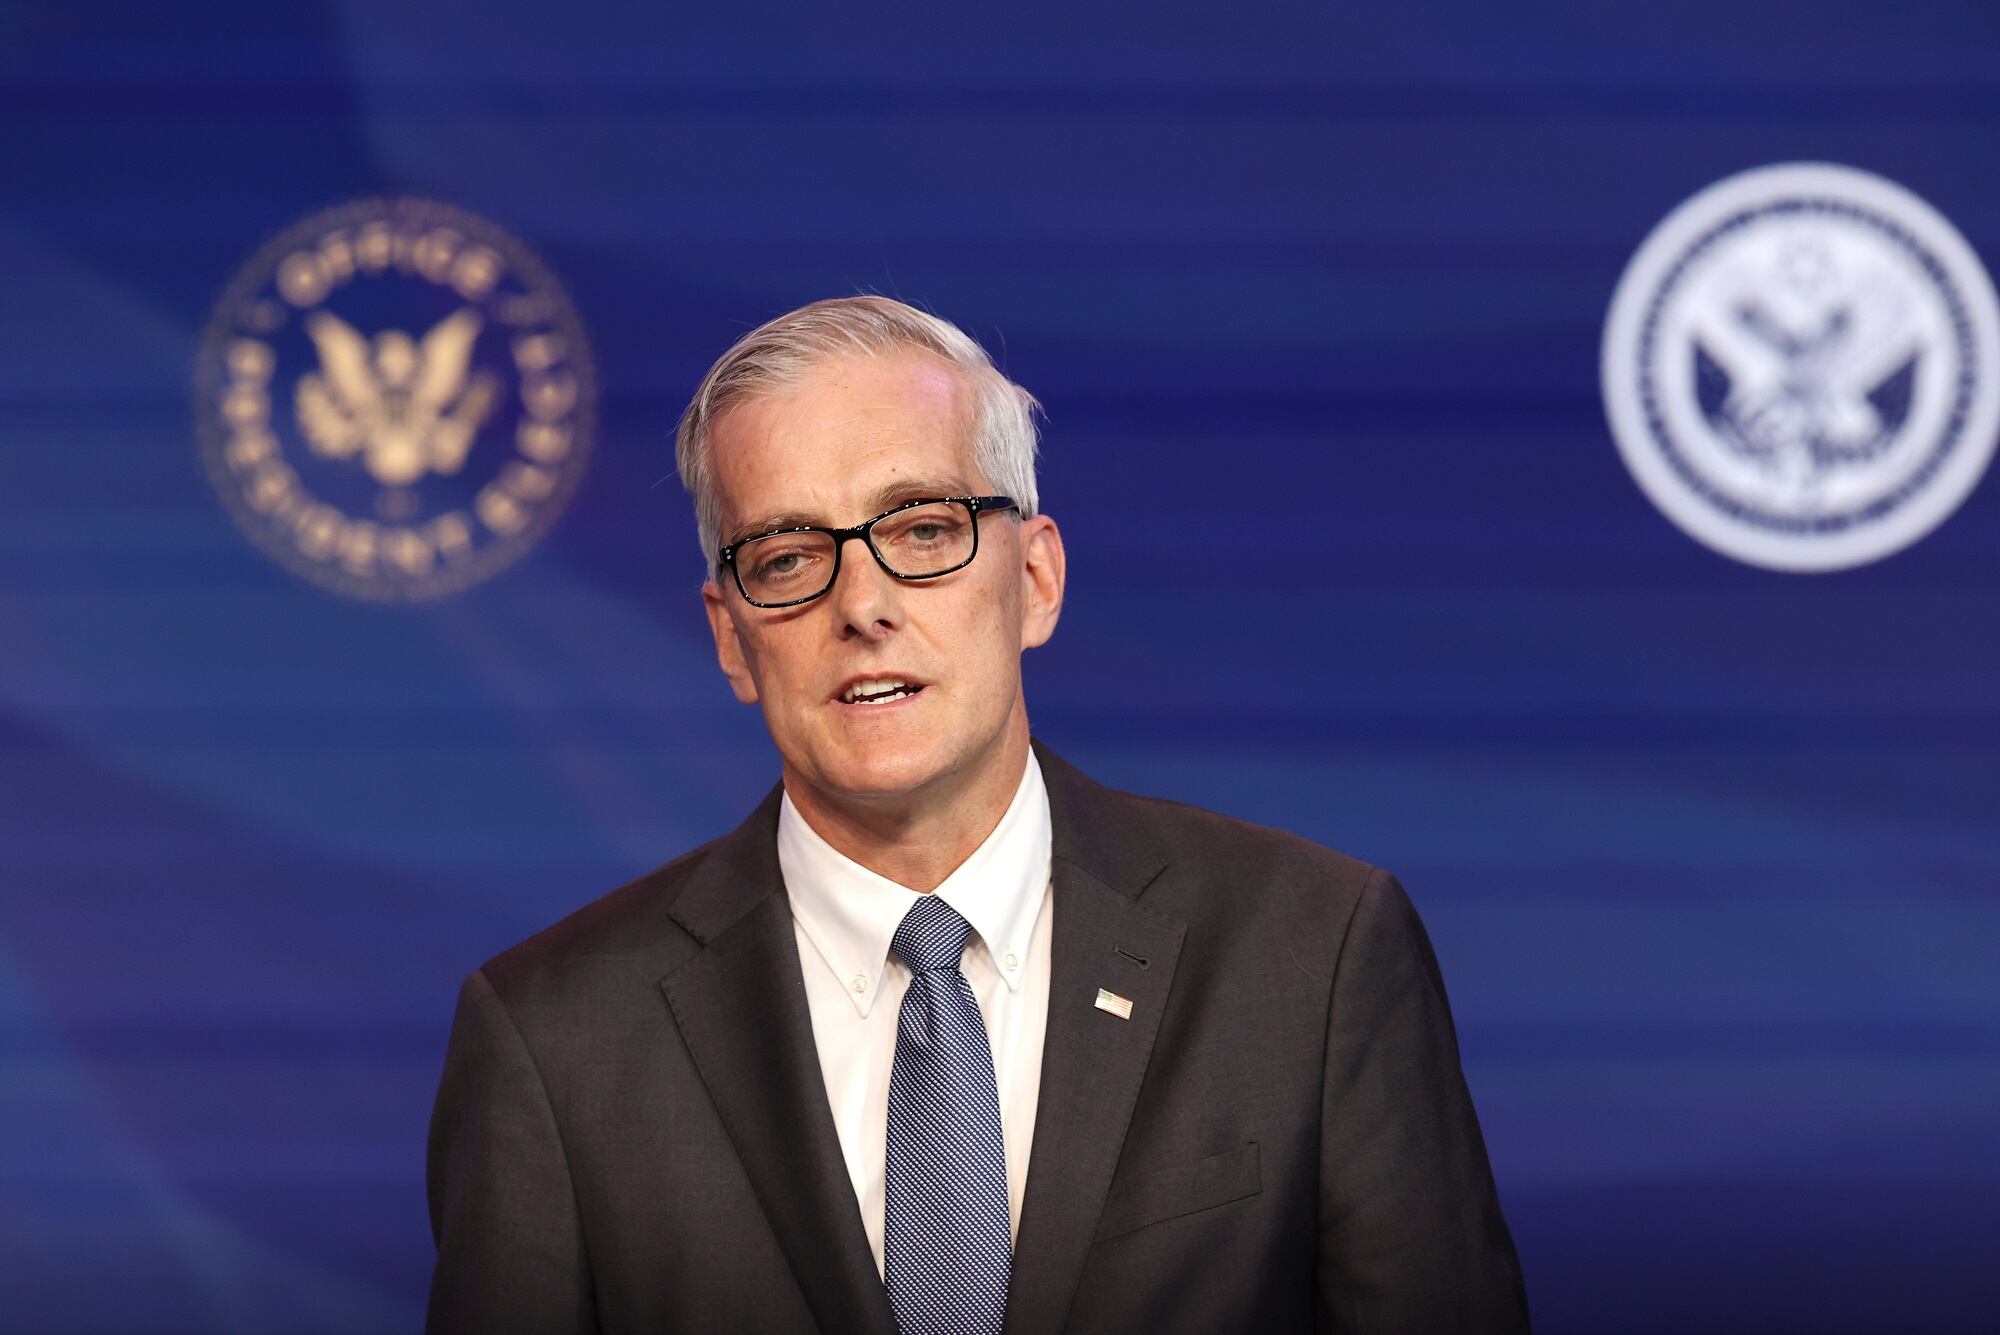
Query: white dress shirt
845	917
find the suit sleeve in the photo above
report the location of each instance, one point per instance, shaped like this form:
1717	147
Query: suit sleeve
1411	1238
510	1253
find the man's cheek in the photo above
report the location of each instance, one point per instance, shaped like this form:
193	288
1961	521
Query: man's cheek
753	666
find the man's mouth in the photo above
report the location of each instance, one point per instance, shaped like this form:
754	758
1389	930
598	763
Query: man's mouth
879	691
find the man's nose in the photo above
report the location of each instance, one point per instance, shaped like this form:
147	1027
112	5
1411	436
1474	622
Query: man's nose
865	597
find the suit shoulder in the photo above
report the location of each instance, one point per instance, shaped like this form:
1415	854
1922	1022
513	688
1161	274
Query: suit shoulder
628	928
1200	838
1243	886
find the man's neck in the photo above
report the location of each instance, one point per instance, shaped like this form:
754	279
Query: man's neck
919	843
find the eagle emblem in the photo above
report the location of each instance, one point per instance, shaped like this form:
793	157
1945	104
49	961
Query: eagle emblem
1812	374
1799	367
405	405
395	455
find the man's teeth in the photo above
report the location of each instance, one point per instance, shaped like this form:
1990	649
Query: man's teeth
879	692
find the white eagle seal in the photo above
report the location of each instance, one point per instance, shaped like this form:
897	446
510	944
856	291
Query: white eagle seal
1801	367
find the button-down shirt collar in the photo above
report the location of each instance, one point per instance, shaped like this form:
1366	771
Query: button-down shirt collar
851	914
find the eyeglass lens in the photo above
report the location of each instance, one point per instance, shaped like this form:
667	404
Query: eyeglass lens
922	540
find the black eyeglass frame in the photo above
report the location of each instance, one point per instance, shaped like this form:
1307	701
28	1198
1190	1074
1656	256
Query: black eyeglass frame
977	505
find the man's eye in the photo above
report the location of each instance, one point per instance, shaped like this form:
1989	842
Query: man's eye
927	531
778	565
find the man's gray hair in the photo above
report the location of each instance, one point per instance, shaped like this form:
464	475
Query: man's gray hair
780	353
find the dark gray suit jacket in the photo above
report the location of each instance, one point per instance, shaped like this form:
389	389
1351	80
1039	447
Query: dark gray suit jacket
632	1132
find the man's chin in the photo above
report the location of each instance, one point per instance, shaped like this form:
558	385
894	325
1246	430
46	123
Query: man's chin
884	778
883	771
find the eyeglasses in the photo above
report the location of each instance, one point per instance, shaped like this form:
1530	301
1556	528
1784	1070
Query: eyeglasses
919	539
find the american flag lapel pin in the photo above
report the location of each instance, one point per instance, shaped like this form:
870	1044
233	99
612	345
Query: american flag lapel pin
1108	1000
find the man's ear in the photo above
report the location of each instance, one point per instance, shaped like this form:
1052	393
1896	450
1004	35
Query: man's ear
728	649
1044	568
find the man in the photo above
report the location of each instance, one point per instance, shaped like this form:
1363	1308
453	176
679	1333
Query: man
947	1037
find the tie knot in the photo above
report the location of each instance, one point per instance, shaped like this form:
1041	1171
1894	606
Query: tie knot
932	936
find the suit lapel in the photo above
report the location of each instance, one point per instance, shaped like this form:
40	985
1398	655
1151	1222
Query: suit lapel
741	1007
1092	1061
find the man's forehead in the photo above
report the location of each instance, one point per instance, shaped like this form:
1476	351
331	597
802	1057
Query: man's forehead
904	393
857	431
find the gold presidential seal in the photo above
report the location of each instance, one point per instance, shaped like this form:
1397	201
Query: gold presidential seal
395	399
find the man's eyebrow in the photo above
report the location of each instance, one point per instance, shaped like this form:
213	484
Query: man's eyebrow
882	498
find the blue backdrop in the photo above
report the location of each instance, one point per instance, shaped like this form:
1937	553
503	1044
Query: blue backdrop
1709	853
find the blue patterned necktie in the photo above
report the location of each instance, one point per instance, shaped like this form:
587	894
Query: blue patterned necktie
945	1245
